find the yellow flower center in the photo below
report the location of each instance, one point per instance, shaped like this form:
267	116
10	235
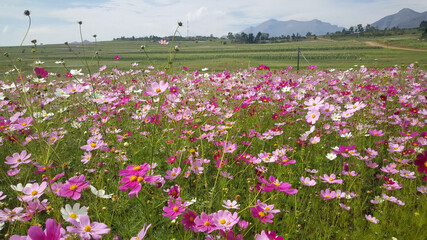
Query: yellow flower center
276	183
140	179
328	195
331	179
267	209
207	223
73	215
24	124
93	145
158	90
34	192
136	168
73	187
425	163
222	221
175	209
88	228
173	174
261	214
313	116
133	178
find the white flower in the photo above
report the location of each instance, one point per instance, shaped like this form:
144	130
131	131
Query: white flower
61	93
331	156
39	62
74	212
192	201
59	62
336	117
1	225
205	69
100	193
19	186
75	72
2	96
76	124
231	204
6	86
286	89
39	80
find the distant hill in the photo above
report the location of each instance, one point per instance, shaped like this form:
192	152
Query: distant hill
277	28
405	18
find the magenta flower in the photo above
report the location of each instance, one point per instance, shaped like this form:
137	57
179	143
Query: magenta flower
277	185
86	229
188	220
230	235
134	176
204	223
264	217
142	233
174	209
18	158
52	232
157	88
73	187
40	72
117	57
344	149
327	194
331	179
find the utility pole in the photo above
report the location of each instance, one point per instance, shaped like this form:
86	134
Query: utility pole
298	60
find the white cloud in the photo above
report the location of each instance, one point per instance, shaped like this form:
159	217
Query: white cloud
56	23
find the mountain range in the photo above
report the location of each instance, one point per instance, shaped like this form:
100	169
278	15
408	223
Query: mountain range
405	18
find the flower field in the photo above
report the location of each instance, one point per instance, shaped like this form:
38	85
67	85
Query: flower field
249	154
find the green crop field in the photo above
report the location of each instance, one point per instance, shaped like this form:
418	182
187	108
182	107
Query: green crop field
218	55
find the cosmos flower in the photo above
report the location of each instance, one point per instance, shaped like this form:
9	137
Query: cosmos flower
87	229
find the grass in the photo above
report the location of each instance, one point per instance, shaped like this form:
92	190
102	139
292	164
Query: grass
216	55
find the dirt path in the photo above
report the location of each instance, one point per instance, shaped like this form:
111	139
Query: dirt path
377	44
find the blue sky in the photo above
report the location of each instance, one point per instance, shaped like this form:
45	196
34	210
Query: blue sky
55	21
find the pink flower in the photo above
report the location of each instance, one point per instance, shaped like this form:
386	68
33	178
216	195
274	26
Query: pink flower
327	194
342	205
86	157
308	181
15	214
230	235
2	196
157	88
163	42
173	174
142	233
204	223
117	57
34	191
18	158
86	229
330	179
73	187
229	147
225	220
268	235
371	219
375	132
52	232
22	123
93	144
